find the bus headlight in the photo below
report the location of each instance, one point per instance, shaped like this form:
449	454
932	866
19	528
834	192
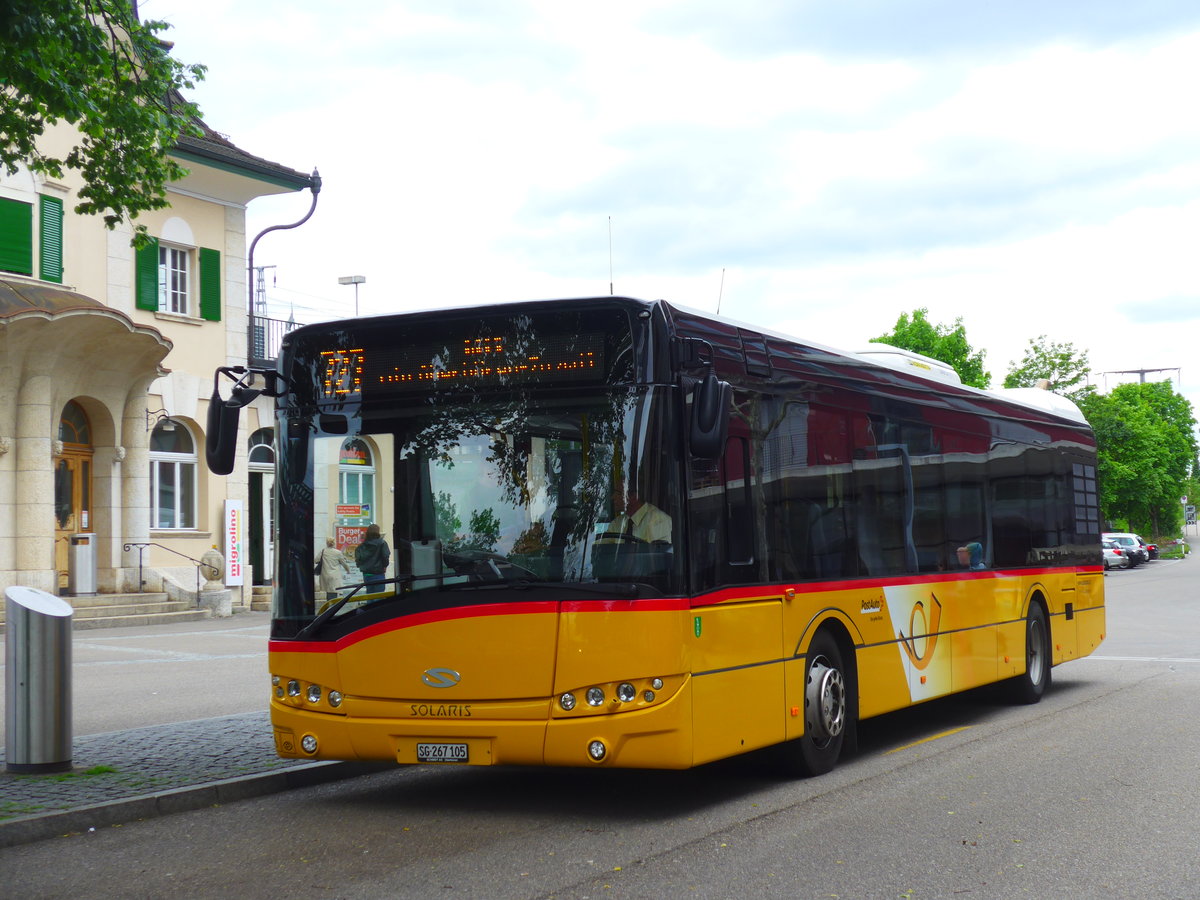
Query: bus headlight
297	693
595	696
567	701
626	692
597	751
308	744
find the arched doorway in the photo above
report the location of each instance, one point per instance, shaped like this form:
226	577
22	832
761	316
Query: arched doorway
262	495
72	484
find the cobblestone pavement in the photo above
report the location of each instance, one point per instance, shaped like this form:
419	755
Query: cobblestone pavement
126	775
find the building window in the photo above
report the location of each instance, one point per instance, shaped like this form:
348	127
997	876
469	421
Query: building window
172	477
356	477
174	280
16	237
50	238
262	448
73	426
179	280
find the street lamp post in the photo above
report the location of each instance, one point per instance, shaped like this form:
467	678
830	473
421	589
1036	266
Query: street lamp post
355	280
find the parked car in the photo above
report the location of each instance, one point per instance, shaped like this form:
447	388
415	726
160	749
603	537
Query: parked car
1151	549
1114	556
1130	543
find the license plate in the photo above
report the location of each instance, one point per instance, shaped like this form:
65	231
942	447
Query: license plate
442	753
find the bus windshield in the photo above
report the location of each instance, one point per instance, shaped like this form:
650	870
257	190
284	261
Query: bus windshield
475	494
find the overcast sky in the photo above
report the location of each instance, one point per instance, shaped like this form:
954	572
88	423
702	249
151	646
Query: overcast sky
817	168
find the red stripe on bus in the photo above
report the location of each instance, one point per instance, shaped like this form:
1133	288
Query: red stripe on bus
412	620
655	604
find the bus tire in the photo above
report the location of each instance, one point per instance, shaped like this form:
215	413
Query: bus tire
828	709
1031	685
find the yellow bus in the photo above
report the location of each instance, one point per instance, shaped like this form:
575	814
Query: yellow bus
623	533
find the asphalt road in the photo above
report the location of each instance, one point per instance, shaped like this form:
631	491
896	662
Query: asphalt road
1091	793
158	674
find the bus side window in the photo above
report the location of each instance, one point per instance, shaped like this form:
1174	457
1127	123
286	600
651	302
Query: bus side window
739	510
705	520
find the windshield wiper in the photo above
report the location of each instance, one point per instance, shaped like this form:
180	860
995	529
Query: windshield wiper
620	588
319	622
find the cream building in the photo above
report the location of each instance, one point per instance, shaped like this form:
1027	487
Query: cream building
107	356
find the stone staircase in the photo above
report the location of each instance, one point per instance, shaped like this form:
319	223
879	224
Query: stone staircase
122	610
260	598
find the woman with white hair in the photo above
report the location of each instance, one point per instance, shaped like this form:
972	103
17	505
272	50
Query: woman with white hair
329	560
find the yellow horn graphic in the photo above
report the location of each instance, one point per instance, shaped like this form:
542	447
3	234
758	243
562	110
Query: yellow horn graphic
931	632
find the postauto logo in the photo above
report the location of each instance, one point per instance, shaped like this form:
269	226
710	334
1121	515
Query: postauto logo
441	678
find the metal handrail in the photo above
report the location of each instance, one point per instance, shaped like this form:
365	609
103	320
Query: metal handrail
197	563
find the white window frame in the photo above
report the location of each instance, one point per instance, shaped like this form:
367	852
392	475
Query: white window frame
181	471
176	276
263	438
364	475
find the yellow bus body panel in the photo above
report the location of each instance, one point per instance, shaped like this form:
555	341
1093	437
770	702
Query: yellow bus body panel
736	654
709	681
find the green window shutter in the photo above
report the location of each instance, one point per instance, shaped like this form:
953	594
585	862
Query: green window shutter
210	284
16	236
146	276
50	265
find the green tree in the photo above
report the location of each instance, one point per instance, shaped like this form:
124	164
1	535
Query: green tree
1066	369
447	523
484	530
94	65
1146	444
943	342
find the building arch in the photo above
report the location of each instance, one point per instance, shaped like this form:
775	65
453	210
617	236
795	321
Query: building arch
86	487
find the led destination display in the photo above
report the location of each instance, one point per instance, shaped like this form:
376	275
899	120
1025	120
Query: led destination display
462	362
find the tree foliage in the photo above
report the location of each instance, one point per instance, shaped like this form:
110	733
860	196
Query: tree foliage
942	342
95	66
1066	369
1145	436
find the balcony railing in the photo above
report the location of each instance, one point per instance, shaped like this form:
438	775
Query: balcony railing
266	337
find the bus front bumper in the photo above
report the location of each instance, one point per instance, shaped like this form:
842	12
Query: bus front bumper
653	738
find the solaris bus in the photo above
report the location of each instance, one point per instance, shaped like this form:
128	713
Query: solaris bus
627	534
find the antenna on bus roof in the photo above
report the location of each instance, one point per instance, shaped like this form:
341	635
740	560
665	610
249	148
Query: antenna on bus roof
610	278
721	292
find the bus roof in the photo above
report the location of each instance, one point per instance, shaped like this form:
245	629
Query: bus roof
882	355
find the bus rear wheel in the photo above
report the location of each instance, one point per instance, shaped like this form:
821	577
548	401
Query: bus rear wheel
1030	686
827	707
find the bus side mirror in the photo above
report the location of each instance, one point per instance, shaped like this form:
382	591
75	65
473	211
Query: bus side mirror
220	444
710	416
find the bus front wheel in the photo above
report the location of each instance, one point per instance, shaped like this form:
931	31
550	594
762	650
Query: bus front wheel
827	707
1030	686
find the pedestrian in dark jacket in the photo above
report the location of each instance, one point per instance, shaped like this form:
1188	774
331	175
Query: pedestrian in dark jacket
372	556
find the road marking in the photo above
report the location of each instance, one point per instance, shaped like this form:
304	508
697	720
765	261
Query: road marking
1166	659
934	737
173	658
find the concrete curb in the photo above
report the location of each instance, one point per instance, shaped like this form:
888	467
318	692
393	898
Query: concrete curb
27	829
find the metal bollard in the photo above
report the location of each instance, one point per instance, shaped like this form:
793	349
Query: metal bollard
37	686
